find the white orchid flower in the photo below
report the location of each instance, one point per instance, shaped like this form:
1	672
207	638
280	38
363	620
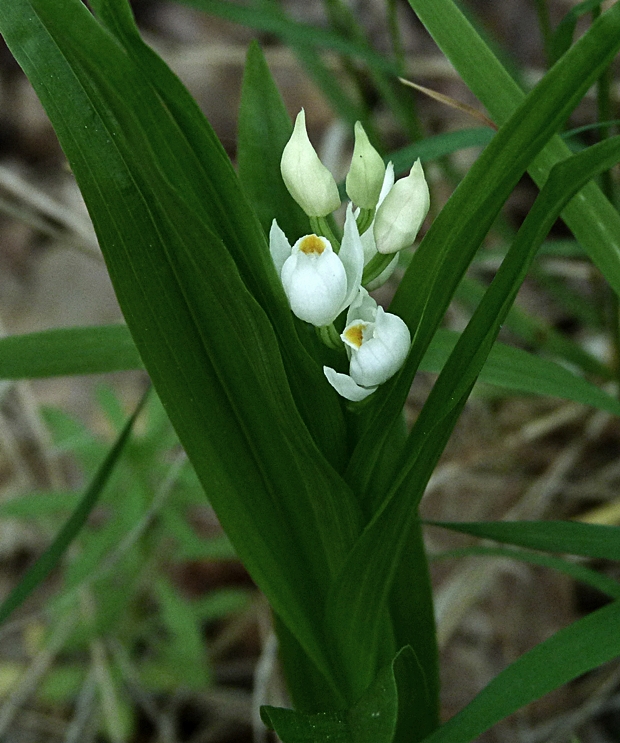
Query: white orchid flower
318	282
377	343
400	216
308	181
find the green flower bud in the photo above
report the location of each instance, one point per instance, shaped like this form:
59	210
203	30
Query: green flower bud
366	172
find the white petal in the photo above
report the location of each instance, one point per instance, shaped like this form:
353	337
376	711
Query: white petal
279	246
388	182
315	286
380	357
363	307
352	257
345	386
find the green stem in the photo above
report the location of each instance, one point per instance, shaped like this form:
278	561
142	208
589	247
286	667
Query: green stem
330	337
375	267
364	220
320	226
545	27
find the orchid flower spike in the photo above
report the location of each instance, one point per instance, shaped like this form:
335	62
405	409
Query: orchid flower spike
377	344
318	282
308	181
400	216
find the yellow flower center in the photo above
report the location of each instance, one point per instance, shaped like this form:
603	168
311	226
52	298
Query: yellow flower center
312	244
355	334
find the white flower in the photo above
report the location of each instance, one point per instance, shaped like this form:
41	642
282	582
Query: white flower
318	282
377	343
402	212
308	181
365	176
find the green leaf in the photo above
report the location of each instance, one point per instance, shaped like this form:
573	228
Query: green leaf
271	20
214	193
569	653
440	145
449	246
592	219
64	351
563	35
571	537
386	713
519	371
368	573
578	572
53	554
263	130
194	278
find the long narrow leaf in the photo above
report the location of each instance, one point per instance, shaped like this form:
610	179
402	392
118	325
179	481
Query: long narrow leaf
368	573
449	246
571	652
592	219
587	540
65	351
598	581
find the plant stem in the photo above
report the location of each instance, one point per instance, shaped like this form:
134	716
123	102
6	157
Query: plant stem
544	24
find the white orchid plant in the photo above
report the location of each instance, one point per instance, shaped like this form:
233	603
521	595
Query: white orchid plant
322	276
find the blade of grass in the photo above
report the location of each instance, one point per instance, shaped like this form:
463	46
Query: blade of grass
53	554
570	537
450	244
592	219
571	652
518	371
598	581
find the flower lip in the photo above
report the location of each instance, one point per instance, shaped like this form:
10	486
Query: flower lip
312	245
353	334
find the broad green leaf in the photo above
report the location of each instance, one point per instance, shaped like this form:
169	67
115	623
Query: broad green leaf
386	713
64	351
571	537
578	572
53	554
592	219
183	248
569	653
518	371
217	196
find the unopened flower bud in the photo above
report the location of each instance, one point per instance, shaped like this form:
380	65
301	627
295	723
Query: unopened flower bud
366	173
400	215
308	181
